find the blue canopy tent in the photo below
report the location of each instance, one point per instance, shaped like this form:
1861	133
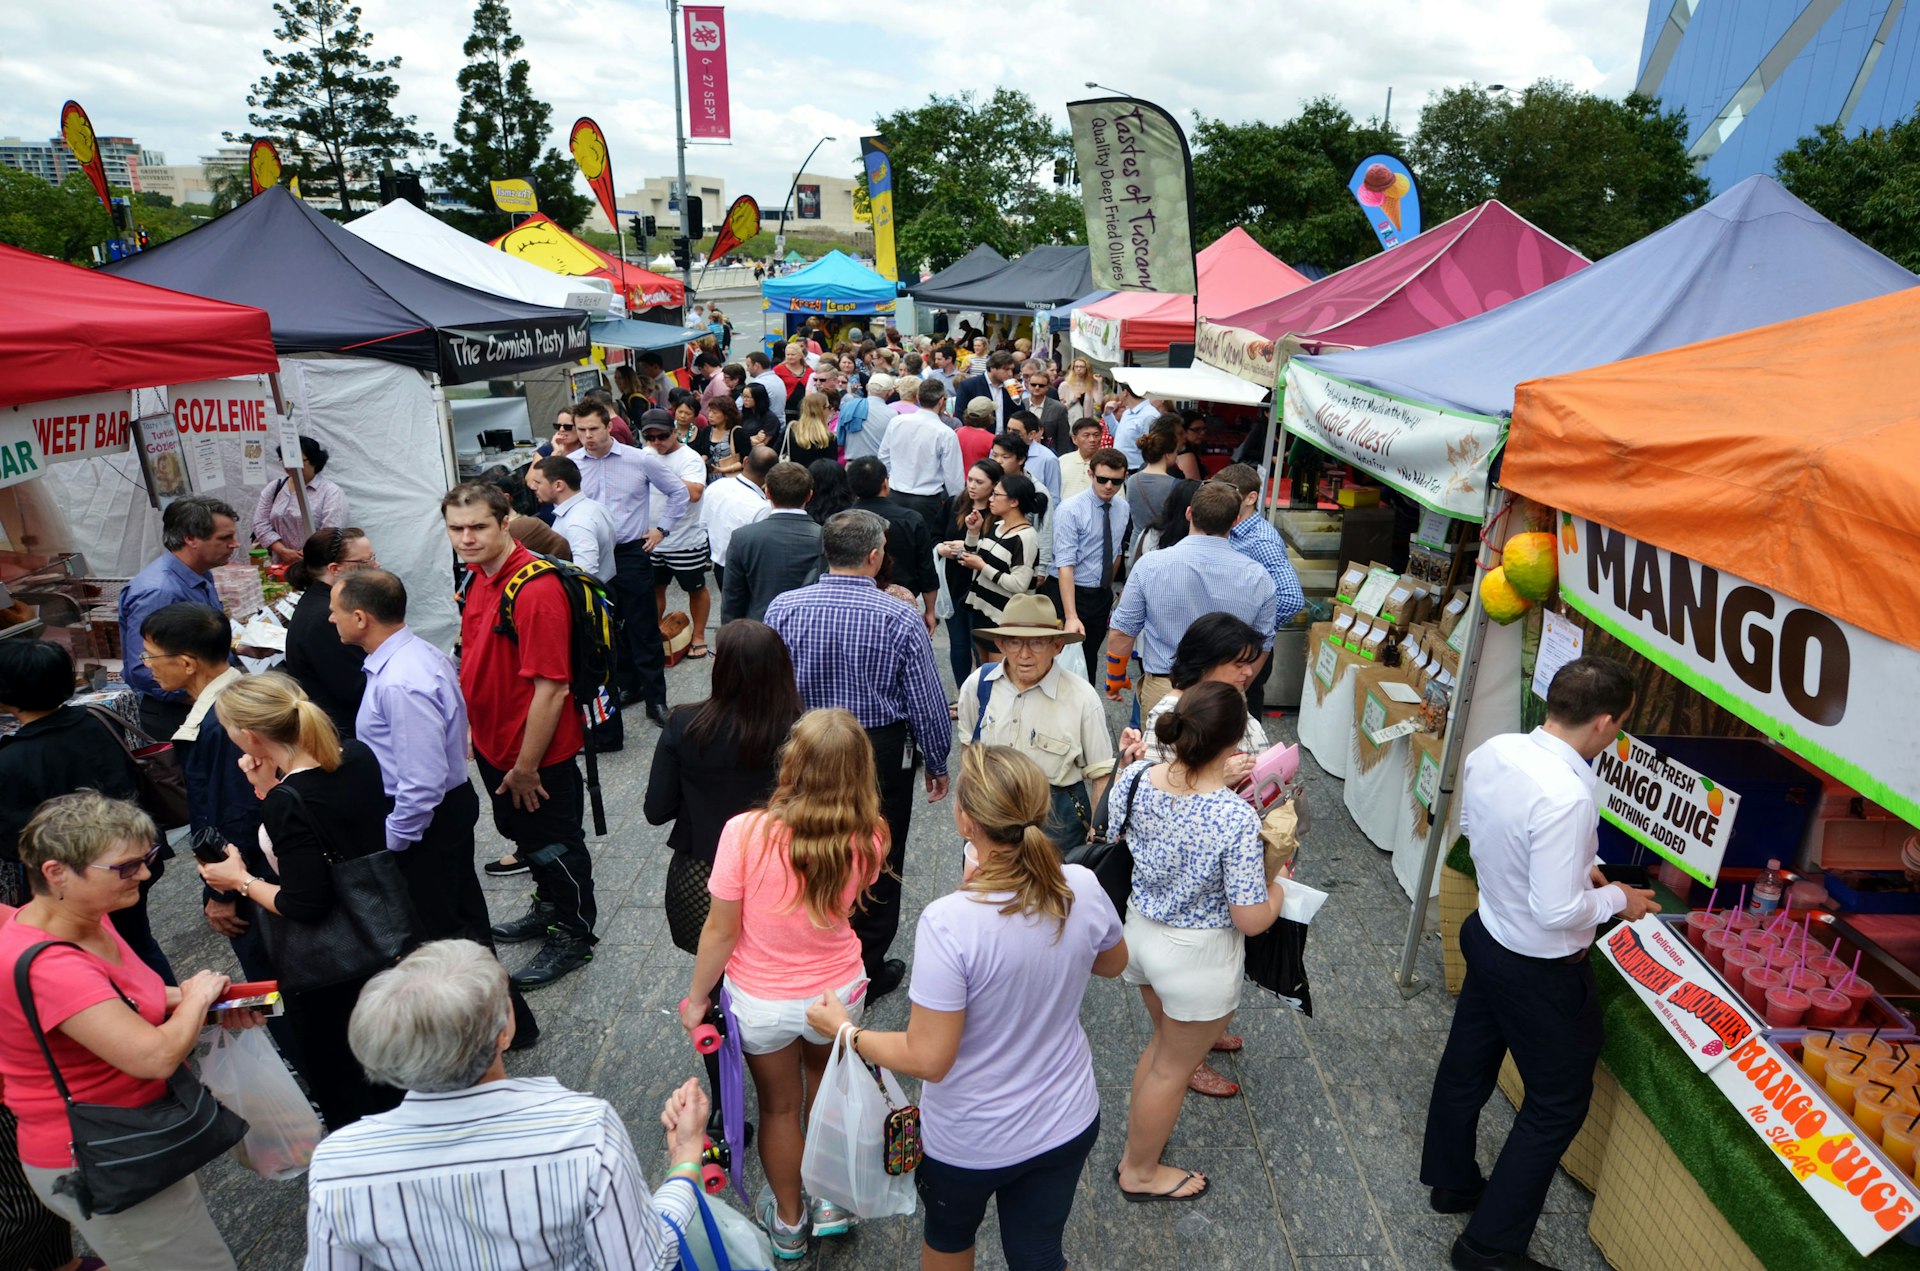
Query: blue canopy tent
640	336
1061	318
834	287
979	263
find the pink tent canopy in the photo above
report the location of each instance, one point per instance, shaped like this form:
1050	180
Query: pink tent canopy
1477	261
1235	272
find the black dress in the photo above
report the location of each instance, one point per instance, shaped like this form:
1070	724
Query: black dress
320	663
699	789
342	813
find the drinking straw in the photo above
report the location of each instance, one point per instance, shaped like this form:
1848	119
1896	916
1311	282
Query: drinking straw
1916	1118
1743	899
1862	1056
1883	1085
1853	976
1904	1056
1710	899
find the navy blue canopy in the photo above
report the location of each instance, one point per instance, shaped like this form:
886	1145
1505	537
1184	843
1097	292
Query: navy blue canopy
970	268
328	291
1038	278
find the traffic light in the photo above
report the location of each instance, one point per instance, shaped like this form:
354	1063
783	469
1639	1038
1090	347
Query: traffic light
651	226
120	221
696	217
145	242
682	252
638	228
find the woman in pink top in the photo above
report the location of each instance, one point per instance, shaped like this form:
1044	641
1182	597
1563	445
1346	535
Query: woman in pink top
785	882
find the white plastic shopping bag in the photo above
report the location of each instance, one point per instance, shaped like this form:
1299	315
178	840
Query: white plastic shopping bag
846	1156
721	1238
246	1074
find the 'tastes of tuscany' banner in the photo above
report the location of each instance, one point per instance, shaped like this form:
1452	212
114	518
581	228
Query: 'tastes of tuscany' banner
1136	181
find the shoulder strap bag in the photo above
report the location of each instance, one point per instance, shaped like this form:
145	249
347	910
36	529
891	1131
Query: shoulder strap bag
122	1156
371	926
160	787
1108	855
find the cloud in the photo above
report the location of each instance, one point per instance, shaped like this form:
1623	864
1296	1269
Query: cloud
175	73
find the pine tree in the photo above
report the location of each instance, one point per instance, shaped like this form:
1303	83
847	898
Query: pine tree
328	99
501	132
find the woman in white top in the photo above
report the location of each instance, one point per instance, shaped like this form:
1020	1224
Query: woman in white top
1080	391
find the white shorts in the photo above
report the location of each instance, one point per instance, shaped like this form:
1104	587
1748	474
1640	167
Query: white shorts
770	1024
1196	971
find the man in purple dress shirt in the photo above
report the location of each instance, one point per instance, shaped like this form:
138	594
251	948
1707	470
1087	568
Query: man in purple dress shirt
414	719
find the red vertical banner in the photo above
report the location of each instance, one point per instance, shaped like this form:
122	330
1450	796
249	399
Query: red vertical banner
589	146
77	129
707	106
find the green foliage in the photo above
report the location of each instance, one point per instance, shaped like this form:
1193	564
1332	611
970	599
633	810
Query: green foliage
501	133
1286	183
1867	184
330	101
967	172
64	221
1596	173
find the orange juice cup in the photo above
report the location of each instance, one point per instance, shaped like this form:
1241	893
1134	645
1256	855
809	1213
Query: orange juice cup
1813	1055
1845	1075
1873	1103
1898	1138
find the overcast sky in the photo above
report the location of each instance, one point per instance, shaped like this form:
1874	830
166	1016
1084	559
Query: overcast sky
174	73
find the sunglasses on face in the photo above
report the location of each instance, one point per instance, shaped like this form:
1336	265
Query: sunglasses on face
1098	480
127	869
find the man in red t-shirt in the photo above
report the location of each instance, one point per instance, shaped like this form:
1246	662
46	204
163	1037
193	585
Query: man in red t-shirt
526	730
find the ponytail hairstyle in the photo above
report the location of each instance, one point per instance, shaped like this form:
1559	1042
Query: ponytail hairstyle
1209	719
324	547
1007	797
275	707
828	800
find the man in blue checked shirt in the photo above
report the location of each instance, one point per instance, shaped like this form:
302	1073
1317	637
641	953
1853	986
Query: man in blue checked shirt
859	649
1259	542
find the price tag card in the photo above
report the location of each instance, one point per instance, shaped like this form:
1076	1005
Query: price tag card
1325	662
1374	592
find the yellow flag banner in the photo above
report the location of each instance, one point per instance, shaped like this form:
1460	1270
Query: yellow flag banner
78	131
263	165
879	164
742	223
589	146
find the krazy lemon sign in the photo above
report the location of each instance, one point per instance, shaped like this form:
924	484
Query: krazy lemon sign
515	196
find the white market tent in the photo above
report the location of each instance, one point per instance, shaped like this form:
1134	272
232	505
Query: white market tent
403	230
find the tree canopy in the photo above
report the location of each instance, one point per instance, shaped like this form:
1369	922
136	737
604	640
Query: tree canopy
501	132
66	221
1867	184
330	100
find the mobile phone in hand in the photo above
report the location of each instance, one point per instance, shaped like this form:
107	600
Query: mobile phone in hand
208	844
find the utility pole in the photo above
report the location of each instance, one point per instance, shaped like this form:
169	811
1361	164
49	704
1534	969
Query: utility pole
680	150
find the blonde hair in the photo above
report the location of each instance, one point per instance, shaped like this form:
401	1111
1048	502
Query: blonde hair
828	800
272	705
810	429
78	829
1009	801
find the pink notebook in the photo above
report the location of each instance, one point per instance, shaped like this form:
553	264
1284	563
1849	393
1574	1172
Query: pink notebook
1272	770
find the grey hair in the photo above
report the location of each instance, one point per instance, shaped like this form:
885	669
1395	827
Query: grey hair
850	537
191	517
433	1022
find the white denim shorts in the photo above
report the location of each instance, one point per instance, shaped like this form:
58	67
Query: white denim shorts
1195	971
770	1024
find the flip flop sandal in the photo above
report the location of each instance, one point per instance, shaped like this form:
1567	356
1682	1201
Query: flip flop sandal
697	651
1148	1198
1229	1045
1210	1083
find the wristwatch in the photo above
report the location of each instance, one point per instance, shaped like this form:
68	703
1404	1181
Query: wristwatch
251	880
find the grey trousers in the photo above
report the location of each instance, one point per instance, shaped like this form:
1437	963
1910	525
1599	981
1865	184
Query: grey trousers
169	1232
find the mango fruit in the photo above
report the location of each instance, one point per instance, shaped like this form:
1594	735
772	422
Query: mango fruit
1497	596
1532	564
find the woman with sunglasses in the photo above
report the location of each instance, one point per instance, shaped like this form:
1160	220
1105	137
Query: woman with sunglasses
328	669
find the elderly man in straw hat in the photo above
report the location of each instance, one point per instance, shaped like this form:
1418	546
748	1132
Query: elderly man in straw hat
1027	701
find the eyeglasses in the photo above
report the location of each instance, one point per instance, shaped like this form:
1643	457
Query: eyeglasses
127	869
559	427
1040	383
1023	644
1098	480
147	656
655	436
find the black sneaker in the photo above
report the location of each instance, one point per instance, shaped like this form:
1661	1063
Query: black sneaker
534	924
560	954
885	978
504	868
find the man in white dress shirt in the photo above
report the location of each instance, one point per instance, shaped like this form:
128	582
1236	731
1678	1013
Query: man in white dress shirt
734	501
922	456
580	520
1527	807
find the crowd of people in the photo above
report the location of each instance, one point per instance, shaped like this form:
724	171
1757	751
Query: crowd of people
845	500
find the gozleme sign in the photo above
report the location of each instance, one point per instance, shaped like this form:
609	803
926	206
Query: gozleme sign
1820	686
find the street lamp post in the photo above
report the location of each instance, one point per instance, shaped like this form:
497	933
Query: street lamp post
780	238
1116	92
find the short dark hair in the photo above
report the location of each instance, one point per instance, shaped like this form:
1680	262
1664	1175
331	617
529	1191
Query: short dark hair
468	493
1106	457
1089	421
789	484
381	595
932	394
1209	719
1214	639
865	476
1243	477
192	517
1027	419
560	468
650	359
850	537
1586	688
999	361
760	461
734	371
1021	490
35	675
314	453
1015	446
192	629
588	406
1215	507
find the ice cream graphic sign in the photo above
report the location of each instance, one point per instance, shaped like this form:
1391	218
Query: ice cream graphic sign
1389	196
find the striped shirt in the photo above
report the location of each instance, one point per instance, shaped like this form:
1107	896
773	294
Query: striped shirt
1260	543
519	1173
1011	561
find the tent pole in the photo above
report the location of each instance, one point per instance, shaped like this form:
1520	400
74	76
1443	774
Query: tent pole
296	477
449	452
1276	446
1450	757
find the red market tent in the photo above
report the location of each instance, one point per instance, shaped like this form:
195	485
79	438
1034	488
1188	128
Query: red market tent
546	244
1477	261
1235	273
67	330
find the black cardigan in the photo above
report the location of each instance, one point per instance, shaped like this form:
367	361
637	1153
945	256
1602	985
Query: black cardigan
320	663
345	814
701	788
66	751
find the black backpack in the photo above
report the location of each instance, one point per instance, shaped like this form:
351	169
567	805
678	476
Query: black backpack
590	649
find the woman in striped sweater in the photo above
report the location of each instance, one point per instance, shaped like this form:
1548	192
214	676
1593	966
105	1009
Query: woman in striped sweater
1003	556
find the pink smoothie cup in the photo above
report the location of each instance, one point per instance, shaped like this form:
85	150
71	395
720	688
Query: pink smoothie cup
1785	1007
1783	959
1744	921
1859	993
1755	982
1738	960
1830	967
1717	944
1805	980
1699	923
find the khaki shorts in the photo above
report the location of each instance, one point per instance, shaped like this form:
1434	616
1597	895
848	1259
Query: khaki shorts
1152	689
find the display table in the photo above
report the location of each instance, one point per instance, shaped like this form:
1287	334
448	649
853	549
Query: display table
1326	711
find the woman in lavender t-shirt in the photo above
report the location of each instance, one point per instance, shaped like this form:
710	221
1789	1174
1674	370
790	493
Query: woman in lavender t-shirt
1009	1112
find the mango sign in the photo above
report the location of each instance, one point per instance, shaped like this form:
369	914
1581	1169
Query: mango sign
1667	806
41	433
236	407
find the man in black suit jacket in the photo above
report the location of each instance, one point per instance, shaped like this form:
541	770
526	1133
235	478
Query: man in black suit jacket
1036	378
909	541
776	554
990	383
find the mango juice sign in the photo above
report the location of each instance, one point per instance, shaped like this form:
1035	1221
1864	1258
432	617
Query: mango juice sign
35	435
1683	994
1820	686
1682	815
1864	1194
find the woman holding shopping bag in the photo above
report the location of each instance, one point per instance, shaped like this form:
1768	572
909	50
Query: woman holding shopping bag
1009	1111
785	882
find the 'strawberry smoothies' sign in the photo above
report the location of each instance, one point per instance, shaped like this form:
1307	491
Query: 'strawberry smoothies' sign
1679	813
1681	991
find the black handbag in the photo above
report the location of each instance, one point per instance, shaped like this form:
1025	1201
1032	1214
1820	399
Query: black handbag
1108	855
160	786
371	926
122	1156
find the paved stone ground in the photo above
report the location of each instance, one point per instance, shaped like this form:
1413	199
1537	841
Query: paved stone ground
1314	1166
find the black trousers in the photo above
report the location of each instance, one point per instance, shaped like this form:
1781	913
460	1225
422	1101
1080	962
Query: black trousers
1548	1015
895	761
1094	605
445	889
642	662
933	510
552	840
319	1019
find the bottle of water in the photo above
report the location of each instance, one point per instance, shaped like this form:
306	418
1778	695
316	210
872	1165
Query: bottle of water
1764	899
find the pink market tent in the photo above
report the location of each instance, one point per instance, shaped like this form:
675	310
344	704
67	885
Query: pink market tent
1235	273
1477	261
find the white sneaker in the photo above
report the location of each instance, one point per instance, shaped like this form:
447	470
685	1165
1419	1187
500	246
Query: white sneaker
789	1243
830	1219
